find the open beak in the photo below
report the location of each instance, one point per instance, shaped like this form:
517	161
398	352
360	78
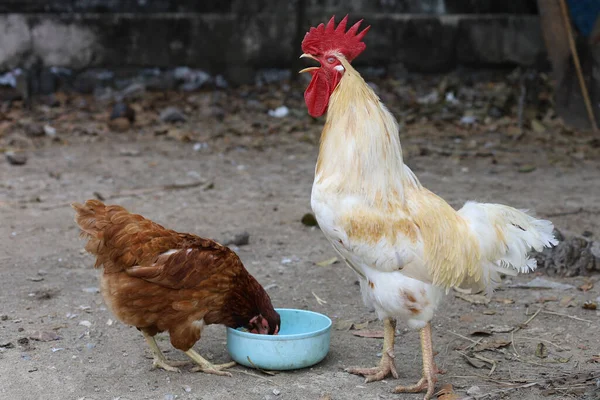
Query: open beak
305	55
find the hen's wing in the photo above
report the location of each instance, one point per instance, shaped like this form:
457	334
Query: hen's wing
195	263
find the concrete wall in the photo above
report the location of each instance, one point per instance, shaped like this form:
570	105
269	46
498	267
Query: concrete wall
235	37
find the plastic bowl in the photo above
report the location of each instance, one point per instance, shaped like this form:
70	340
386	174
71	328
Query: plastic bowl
303	340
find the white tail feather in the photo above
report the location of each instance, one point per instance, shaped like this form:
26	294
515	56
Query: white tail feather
506	237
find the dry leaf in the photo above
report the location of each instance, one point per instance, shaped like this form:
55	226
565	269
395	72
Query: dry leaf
541	350
328	262
590	305
504	301
595	359
537	126
475	362
588	285
547	299
343	325
467	318
490	329
566	301
495	344
489	312
360	326
473	298
447	393
369	334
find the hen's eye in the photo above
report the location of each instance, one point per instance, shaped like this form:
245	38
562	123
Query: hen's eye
331	60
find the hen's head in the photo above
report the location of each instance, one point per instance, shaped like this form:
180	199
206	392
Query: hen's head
265	325
326	44
255	310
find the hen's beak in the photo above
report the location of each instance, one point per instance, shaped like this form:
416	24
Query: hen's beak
305	55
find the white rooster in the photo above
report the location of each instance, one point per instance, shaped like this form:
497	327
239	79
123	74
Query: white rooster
407	245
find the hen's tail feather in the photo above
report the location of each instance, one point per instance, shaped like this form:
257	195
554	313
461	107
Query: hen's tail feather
506	236
93	218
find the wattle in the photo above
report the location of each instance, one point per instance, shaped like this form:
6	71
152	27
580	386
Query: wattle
317	94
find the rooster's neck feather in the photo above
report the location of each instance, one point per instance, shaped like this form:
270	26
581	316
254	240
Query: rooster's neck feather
360	148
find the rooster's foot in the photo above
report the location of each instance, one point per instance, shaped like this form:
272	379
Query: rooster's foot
385	368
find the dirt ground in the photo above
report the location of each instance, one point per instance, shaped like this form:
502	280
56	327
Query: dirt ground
260	183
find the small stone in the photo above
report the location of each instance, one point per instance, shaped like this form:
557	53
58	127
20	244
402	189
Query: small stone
87	324
276	392
172	114
129	153
119	125
34	130
240	239
187	389
279	112
122	110
170	397
49	131
309	219
474	391
524	169
134	91
200	146
50	100
92	289
16	158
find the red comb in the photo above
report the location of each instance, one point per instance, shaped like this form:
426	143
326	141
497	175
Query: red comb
324	38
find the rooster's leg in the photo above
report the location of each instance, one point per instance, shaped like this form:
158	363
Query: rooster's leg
160	361
206	366
427	382
386	365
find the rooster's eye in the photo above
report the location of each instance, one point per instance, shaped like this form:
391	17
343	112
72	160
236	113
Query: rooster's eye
331	60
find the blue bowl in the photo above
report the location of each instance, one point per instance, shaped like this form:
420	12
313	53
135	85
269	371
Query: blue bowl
303	340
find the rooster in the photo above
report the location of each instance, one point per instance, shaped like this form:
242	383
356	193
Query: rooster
407	245
160	280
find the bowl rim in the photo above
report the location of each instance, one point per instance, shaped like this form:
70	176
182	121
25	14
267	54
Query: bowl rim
279	338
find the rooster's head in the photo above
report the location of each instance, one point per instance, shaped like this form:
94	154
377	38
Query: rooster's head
326	44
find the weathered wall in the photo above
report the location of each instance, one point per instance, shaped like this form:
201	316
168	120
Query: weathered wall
237	37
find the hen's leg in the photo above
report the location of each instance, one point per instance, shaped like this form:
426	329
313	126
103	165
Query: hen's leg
160	361
206	366
386	365
427	382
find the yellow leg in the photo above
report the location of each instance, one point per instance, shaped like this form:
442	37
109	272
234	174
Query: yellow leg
160	361
427	382
206	366
386	365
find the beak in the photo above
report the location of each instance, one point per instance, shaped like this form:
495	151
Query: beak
305	55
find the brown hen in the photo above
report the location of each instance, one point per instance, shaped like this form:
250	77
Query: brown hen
160	280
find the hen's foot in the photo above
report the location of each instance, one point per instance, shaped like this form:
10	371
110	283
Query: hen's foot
385	368
168	365
160	361
207	367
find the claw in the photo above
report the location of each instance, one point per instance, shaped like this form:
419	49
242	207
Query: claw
167	365
385	368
